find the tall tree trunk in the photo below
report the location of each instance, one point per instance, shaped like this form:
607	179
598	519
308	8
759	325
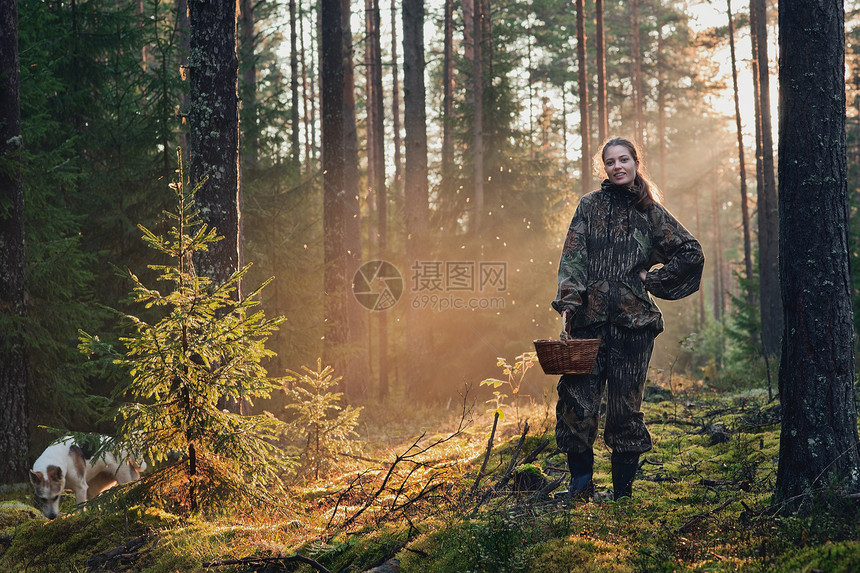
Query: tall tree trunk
214	131
248	43
336	280
295	149
183	29
448	95
702	295
307	96
661	108
768	212
602	113
355	372
395	98
584	131
213	137
636	74
14	423
718	257
415	174
376	164
745	213
478	112
818	446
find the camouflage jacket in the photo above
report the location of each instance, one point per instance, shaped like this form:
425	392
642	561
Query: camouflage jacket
608	243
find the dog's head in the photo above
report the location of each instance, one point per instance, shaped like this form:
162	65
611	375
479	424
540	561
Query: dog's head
47	490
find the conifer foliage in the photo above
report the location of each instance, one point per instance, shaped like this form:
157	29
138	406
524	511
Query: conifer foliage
205	345
326	428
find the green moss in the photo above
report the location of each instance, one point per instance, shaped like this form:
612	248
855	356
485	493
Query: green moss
578	554
359	552
841	557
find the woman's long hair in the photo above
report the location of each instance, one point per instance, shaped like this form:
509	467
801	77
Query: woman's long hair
646	191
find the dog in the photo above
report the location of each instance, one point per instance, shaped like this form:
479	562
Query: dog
67	465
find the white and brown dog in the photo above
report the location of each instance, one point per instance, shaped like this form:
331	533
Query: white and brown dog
66	465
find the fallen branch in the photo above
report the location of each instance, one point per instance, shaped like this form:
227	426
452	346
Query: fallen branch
267	560
514	457
697	518
125	553
480	475
532	456
410	455
545	490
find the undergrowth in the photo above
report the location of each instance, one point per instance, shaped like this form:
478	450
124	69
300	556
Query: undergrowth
702	502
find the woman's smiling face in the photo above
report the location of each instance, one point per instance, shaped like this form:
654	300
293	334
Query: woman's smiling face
619	165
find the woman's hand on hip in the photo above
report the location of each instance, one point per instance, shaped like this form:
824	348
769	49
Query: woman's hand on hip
643	274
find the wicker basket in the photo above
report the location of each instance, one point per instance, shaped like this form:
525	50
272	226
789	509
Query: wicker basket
575	356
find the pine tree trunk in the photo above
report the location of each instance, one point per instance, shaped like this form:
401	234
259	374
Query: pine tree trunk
448	95
250	130
214	131
395	99
661	109
355	370
332	78
768	212
478	113
584	131
14	423
376	164
745	213
183	30
295	153
415	174
636	74
818	446
602	113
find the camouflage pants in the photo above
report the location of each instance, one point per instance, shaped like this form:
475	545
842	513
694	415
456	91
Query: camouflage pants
622	364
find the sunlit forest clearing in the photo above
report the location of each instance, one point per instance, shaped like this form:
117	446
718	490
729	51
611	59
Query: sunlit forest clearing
279	267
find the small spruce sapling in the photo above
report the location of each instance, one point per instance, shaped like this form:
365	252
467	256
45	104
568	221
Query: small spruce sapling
516	373
326	428
206	345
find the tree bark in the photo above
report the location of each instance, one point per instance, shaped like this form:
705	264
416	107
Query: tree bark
602	114
248	43
478	112
295	149
14	423
661	108
376	165
768	210
214	131
636	74
415	173
584	131
745	212
818	447
395	99
355	367
448	94
332	78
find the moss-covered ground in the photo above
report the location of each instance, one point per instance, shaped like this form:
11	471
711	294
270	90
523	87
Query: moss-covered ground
701	502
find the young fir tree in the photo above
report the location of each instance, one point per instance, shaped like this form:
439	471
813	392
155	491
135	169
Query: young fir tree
325	427
205	345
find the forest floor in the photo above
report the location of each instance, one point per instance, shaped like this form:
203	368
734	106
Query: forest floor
411	502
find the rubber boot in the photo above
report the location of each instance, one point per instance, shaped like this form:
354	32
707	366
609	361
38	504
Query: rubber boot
624	468
581	467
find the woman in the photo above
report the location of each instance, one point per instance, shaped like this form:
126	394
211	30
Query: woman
617	235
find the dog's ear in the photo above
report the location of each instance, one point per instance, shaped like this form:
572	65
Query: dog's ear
36	478
55	474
